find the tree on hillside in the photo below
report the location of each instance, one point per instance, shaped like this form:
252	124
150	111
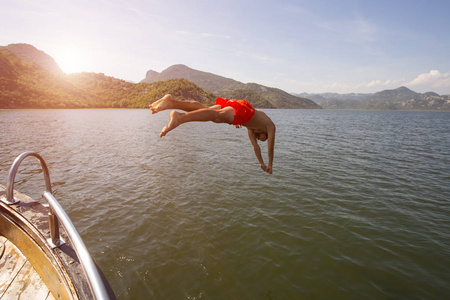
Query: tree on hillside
252	97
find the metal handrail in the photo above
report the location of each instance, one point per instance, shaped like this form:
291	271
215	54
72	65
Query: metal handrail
9	199
56	213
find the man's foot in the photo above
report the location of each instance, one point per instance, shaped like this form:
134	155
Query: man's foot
162	104
173	123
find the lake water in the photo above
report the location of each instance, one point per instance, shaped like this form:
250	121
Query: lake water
358	206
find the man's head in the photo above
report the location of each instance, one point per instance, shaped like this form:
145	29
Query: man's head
262	136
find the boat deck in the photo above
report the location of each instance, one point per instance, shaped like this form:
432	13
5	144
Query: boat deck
18	278
39	259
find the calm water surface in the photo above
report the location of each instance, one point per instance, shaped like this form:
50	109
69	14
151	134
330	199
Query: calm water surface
358	206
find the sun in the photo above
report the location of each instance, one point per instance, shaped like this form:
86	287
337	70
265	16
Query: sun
72	60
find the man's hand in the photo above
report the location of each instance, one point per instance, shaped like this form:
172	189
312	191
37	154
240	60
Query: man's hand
266	168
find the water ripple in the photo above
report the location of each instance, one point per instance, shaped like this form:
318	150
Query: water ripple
357	207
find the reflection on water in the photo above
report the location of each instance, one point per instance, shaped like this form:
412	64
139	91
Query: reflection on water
357	207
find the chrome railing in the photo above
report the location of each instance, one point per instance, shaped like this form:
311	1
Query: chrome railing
56	214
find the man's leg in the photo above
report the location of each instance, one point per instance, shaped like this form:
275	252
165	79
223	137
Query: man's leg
167	102
214	114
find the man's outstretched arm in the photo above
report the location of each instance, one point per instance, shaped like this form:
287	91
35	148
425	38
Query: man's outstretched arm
270	146
257	150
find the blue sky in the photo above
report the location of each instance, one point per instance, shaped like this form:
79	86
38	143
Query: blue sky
298	46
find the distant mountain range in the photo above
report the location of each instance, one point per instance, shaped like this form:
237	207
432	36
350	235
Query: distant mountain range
259	95
401	98
29	78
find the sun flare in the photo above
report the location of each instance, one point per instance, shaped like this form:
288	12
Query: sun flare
72	60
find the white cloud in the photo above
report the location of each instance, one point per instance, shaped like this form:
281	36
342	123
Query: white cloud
375	83
434	78
203	34
389	83
214	35
363	87
432	81
183	32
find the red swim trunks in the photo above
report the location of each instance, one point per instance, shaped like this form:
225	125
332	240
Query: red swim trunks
243	111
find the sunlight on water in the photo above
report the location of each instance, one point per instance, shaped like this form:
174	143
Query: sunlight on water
357	207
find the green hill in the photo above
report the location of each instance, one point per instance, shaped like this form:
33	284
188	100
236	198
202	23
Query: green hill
29	53
37	83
